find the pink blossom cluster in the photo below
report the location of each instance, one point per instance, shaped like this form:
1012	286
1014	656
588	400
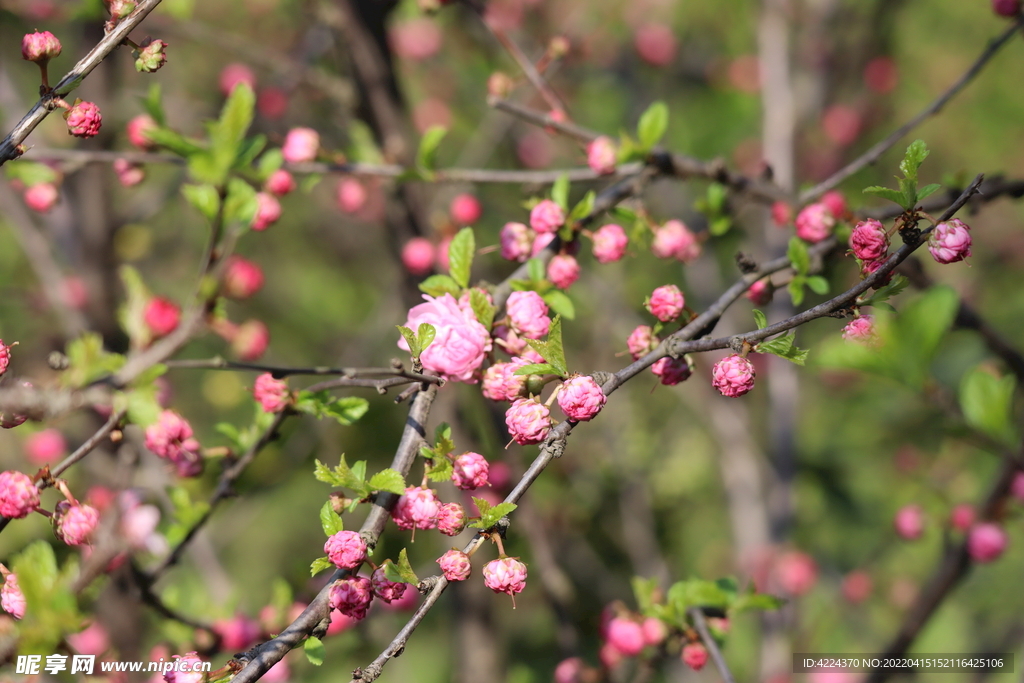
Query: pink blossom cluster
733	376
862	330
346	549
674	240
815	222
625	634
950	241
18	495
272	394
500	383
460	342
869	243
528	421
581	398
171	438
74	523
505	575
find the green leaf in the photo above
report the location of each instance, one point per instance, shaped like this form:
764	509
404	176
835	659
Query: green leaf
652	125
387	480
798	255
204	198
401	571
240	204
439	285
783	348
908	189
425	336
142	405
426	156
916	153
483	309
89	361
441	468
320	564
364	146
443	444
583	208
818	284
716	198
796	289
551	350
271	161
624	215
328	476
536	369
560	192
643	591
896	286
228	132
885	193
248	150
460	256
174	142
987	404
719	226
410	339
131	314
153	105
31	173
560	303
315	651
347	410
760	320
330	520
756	601
928	190
535	268
489	516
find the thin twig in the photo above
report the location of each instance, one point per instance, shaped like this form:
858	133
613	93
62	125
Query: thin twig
876	151
279	372
90	444
716	654
42	108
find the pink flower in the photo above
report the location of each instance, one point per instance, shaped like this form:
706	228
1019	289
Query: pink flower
733	376
814	223
455	565
528	421
465	209
569	670
654	630
418	508
233	74
528	314
417	39
626	636
74	524
610	243
351	195
352	596
869	241
601	155
674	240
41	197
469	471
760	293
962	517
268	211
581	398
862	330
796	572
272	102
563	270
18	495
137	129
460	341
91	641
868	268
250	340
451	519
641	341
695	656
671	371
782	214
346	549
272	394
656	44
5	356
12	600
857	586
547	216
540	242
986	542
128	174
909	522
237	634
170	438
666	303
1004	8
950	241
386	590
516	241
188	669
83	120
418	256
301	144
45	447
835	201
40	47
505	575
280	183
161	316
242	278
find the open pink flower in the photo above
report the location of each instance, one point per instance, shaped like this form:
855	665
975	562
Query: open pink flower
460	341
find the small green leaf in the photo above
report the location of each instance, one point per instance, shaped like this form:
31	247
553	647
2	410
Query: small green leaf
241	203
410	339
928	190
652	125
315	651
489	516
898	284
798	255
204	198
248	150
174	142
325	474
401	571
330	520
460	256
426	156
624	215
483	309
560	303
583	208
439	285
783	348
347	410
756	601
916	153
270	162
720	225
817	284
551	350
535	267
796	289
425	336
441	468
885	193
987	404
89	361
760	320
643	591
387	480
443	443
228	132
716	197
31	173
536	369
560	192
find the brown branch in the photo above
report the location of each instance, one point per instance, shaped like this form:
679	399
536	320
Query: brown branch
279	372
90	444
876	151
716	654
42	108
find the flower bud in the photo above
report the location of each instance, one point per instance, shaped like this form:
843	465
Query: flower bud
151	57
40	47
83	120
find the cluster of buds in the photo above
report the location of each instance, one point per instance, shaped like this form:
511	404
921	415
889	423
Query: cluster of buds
272	394
674	240
420	508
171	438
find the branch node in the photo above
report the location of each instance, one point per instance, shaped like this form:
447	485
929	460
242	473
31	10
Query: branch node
737	344
746	263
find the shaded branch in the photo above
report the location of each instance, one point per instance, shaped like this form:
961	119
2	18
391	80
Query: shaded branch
716	654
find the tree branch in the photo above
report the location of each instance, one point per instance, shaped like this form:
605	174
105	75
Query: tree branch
716	654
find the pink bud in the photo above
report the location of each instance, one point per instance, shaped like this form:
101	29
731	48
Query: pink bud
18	495
986	542
655	43
909	522
672	371
610	243
161	316
268	211
5	356
92	641
451	519
516	242
41	197
74	524
129	174
654	630
12	600
417	39
666	303
137	129
835	201
346	549
417	508
540	242
842	124
455	565
782	214
1004	8
547	216
272	102
528	314
151	57
641	341
581	398
465	209
351	195
760	293
238	634
83	120
251	340
469	471
814	223
45	447
610	656
386	590
868	268
869	241
862	330
280	183
505	575
674	240
352	596
40	47
796	572
601	155
233	74
695	656
499	85
857	586
962	517
950	241
418	256
563	271
569	670
881	74
272	394
626	636
528	421
733	376
300	145
242	278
